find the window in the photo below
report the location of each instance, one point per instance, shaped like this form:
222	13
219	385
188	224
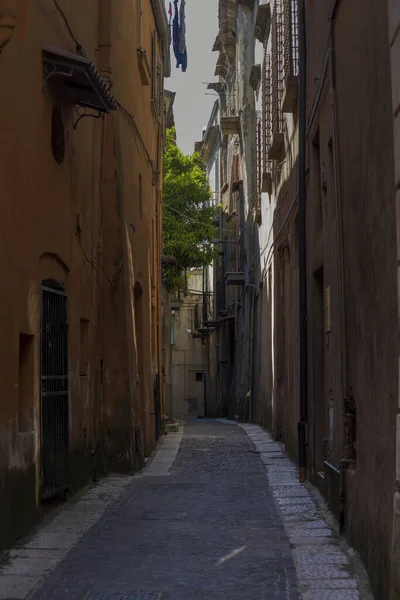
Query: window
84	349
157	86
140	196
173	329
316	166
160	79
154	252
57	135
199	376
154	66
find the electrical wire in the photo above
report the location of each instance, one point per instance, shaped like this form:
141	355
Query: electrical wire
275	218
94	263
132	120
191	219
66	22
183	215
126	112
272	247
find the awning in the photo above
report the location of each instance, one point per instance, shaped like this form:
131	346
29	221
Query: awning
77	80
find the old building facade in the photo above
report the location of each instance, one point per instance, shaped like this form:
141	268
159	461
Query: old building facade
351	283
80	348
349	405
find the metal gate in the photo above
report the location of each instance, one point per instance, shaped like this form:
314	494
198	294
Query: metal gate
54	411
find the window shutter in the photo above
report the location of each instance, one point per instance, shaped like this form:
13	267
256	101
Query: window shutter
160	83
154	67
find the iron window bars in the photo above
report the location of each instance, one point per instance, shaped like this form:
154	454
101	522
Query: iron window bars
291	50
266	113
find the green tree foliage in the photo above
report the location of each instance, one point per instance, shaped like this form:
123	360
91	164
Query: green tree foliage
188	217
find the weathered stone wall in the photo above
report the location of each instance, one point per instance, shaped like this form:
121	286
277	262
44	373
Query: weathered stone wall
351	272
72	222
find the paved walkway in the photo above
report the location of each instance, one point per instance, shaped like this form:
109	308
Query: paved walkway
203	521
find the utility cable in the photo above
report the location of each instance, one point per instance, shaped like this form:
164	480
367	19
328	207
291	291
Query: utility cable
94	263
183	215
130	117
66	22
132	120
193	220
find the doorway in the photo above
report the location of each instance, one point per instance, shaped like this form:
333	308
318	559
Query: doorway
197	393
138	295
54	390
319	374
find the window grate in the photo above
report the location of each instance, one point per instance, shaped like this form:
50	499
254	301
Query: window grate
291	50
54	402
257	161
266	113
277	68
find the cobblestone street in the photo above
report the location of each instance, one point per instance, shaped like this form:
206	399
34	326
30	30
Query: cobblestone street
217	514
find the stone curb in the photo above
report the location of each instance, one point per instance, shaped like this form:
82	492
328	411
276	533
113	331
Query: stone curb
327	568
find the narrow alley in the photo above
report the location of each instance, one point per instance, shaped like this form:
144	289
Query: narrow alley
202	521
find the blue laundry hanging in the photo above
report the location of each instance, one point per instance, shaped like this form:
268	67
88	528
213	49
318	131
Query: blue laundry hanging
179	39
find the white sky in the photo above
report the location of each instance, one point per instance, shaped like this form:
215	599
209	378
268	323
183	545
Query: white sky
192	107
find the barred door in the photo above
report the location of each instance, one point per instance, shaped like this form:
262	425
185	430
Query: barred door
54	412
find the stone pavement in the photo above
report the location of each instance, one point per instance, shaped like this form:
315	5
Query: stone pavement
217	515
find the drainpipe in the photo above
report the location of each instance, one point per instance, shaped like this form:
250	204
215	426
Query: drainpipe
302	426
346	462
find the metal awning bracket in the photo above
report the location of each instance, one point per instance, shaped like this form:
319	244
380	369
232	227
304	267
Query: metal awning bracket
50	69
77	80
82	115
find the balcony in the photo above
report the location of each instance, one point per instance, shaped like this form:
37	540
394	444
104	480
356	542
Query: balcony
234	278
266	183
257	217
144	67
255	77
176	304
277	146
230	125
263	21
209	143
290	94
